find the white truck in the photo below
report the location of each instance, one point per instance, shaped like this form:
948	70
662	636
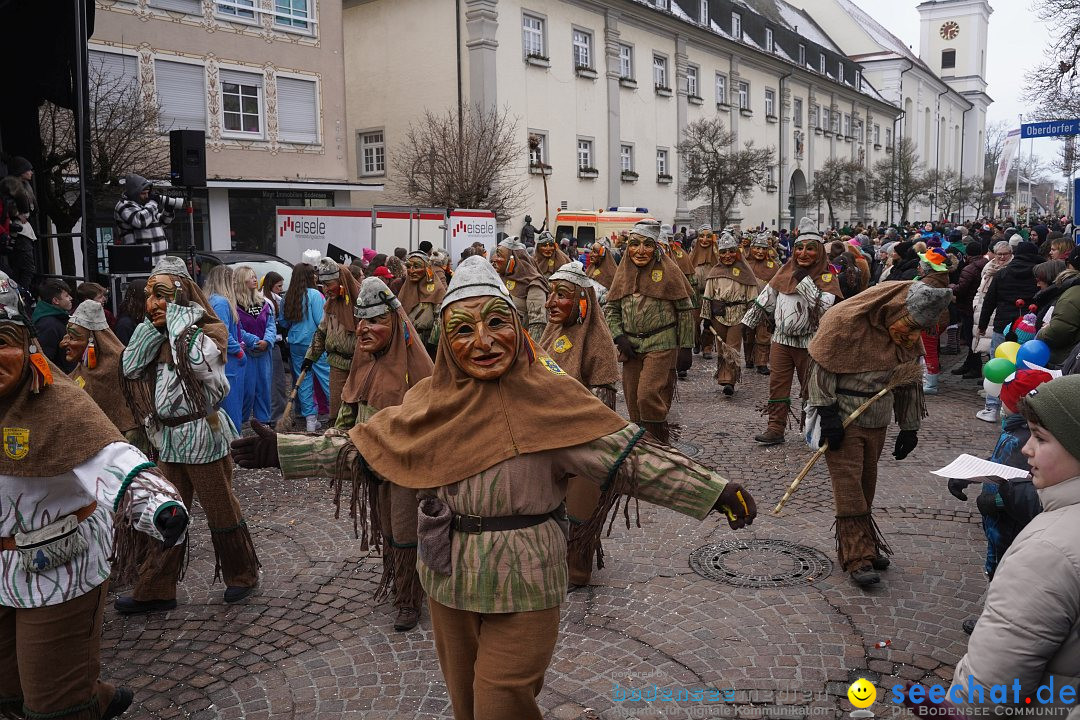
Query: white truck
382	228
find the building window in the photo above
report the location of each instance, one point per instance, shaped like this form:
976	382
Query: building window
582	49
292	13
802	55
744	96
769	46
877	134
847	125
824	119
298	110
661	162
538	157
659	71
703	11
626	158
181	89
858	130
691	81
372	153
858	80
840	73
948	59
662	4
626	61
584	154
532	36
796	111
821	63
736	26
888	137
117	72
235	8
721	88
192	7
770	103
241	102
835	121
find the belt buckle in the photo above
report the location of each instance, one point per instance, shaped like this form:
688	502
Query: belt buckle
469	524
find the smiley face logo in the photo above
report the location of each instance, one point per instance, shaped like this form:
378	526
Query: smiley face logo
862	693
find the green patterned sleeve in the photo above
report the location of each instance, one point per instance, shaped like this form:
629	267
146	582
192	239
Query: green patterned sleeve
142	349
655	473
304	456
685	317
613	315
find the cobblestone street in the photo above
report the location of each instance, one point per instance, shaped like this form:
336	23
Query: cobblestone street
311	644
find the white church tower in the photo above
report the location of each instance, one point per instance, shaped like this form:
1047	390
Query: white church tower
953	42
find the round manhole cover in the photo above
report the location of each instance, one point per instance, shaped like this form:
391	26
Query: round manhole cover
760	563
687	449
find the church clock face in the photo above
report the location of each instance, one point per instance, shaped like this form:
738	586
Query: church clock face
949	30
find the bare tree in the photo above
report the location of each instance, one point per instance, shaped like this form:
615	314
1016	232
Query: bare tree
834	184
1051	87
981	194
901	178
474	164
717	169
951	190
995	143
125	137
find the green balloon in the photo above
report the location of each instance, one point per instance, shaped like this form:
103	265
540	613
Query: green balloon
998	369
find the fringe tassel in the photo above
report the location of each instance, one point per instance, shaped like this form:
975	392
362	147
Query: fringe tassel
857	536
585	548
612	494
234	542
400	575
191	387
363	496
606	395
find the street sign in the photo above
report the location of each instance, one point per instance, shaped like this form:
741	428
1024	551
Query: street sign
1051	128
1076	199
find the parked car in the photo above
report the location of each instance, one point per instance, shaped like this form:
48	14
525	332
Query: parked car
261	263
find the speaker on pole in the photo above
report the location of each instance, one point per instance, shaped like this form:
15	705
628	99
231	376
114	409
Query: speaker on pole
187	158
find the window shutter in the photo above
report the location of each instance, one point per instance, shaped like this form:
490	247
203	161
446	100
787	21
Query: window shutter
114	66
192	7
181	89
298	110
242	78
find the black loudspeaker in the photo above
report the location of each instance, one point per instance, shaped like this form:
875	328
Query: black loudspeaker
187	158
130	259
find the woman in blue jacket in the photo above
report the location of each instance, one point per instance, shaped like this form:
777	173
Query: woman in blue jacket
219	286
302	313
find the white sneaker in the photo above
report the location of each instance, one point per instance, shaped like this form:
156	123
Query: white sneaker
312	423
990	416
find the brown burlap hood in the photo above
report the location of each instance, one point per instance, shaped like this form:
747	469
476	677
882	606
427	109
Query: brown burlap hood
853	336
341	305
524	276
381	381
661	279
102	382
738	271
602	268
825	279
547	267
584	350
52	431
681	258
428	290
451	426
761	268
700	255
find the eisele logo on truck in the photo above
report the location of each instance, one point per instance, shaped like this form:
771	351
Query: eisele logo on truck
473	228
309	229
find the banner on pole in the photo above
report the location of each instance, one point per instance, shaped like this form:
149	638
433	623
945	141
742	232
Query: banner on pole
1008	154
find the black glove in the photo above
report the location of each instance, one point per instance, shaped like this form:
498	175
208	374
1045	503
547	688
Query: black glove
258	450
306	364
171	522
735	502
987	504
905	443
832	426
626	348
684	360
957	488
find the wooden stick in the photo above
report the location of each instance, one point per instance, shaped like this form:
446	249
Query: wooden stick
903	375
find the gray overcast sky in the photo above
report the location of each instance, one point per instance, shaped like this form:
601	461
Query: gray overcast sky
1017	41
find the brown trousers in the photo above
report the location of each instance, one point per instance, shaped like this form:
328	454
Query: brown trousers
50	658
494	663
397	522
756	344
726	368
648	383
337	383
582	497
236	560
853	470
786	362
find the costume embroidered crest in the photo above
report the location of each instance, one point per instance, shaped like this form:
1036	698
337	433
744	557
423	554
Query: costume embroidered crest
80	381
16	442
595	272
770	264
430	287
510	284
826	277
562	344
551	365
735	271
657	275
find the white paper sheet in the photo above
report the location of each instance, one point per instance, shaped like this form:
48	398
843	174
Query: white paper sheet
966	467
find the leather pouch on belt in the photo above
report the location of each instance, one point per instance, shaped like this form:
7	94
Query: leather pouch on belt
52	546
433	534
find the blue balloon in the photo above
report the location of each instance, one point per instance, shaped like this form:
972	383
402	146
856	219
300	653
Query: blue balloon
1033	352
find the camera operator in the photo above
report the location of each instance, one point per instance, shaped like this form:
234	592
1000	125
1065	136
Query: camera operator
18	257
142	214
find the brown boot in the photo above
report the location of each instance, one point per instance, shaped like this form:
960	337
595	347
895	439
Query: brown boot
407	618
770	437
658	431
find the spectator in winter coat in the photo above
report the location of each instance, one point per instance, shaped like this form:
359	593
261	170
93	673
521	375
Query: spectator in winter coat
220	290
132	311
1062	332
50	320
964	291
256	316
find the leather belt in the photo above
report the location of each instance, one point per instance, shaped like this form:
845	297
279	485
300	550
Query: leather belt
8	543
855	393
642	336
475	524
183	419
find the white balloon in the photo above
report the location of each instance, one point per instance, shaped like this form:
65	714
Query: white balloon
992	389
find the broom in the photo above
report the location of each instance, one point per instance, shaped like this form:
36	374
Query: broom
906	374
288	420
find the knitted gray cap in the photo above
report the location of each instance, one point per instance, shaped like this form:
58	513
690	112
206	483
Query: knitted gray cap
808	230
90	315
761	240
475	277
328	269
704	228
512	242
374	299
11	307
665	233
647	228
925	303
572	272
727	241
135	184
171	265
545	238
